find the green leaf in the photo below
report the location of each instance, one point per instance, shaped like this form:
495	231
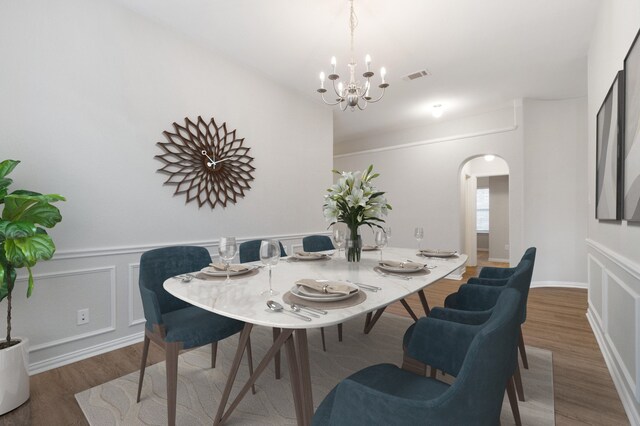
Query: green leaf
15	230
7	166
28	251
32	208
4	283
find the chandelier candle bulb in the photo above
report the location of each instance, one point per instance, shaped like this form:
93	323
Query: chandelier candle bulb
322	80
367	60
333	64
383	73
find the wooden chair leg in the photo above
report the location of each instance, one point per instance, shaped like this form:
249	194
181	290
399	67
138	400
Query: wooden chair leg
324	345
518	381
513	401
171	350
143	364
523	351
276	358
250	362
214	354
340	332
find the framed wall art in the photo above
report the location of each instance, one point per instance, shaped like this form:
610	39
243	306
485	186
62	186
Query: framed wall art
609	141
631	128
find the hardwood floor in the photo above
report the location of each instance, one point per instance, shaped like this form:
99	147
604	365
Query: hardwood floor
583	390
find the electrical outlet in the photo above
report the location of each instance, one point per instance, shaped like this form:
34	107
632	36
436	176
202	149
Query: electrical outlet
83	316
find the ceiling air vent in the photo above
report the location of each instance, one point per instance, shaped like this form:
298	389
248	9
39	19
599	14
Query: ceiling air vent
417	74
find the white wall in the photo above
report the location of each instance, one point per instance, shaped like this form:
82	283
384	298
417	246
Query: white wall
498	218
421	176
613	247
555	168
88	88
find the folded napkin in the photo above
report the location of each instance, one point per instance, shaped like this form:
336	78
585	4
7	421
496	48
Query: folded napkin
404	265
232	267
310	254
326	286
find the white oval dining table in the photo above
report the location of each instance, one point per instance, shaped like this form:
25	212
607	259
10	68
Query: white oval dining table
241	299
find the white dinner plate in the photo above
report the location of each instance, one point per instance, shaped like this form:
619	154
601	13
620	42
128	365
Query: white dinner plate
399	269
319	297
437	253
210	270
320	256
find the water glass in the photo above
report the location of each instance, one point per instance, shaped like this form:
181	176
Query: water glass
339	238
381	240
418	233
270	255
227	250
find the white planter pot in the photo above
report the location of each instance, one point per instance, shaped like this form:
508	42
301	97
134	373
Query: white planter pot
14	376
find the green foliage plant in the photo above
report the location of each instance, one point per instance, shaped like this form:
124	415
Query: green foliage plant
23	238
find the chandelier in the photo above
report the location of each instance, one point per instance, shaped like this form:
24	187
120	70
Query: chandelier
355	94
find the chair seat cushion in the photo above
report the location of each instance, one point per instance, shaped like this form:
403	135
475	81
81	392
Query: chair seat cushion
389	379
196	327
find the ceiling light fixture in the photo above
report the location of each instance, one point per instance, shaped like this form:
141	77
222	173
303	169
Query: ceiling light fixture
437	111
355	94
489	157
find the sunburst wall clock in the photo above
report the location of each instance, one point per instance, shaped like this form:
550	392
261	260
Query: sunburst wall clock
206	162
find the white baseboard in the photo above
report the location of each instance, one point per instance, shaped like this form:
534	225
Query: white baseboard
626	397
567	284
482	249
79	355
495	259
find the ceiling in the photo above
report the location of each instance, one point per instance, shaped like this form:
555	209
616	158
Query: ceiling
482	54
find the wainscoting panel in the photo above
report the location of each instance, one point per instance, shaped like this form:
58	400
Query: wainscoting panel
595	278
614	315
54	318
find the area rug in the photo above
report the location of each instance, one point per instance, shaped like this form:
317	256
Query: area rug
200	387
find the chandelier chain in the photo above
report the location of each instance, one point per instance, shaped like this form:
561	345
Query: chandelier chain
353	23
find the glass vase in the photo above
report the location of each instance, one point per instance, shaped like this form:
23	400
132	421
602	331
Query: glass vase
353	246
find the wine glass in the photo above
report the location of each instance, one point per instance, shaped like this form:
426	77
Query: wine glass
388	231
227	250
381	240
418	233
269	255
339	238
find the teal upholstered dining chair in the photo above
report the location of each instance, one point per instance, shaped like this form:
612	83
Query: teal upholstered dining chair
174	324
313	243
479	356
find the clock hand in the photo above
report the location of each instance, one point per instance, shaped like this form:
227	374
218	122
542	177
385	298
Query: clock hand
211	161
224	159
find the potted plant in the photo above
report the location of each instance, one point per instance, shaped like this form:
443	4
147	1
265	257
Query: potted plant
23	242
354	201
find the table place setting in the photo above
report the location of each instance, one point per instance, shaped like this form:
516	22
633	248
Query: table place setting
325	294
437	254
309	256
231	271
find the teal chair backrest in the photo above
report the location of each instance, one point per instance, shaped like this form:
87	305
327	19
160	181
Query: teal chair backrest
317	243
250	251
158	265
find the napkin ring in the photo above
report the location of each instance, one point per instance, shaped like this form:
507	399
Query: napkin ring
324	288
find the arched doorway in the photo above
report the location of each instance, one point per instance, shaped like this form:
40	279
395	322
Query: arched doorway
484	196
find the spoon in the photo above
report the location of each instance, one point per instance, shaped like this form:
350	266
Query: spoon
276	307
185	278
296	308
